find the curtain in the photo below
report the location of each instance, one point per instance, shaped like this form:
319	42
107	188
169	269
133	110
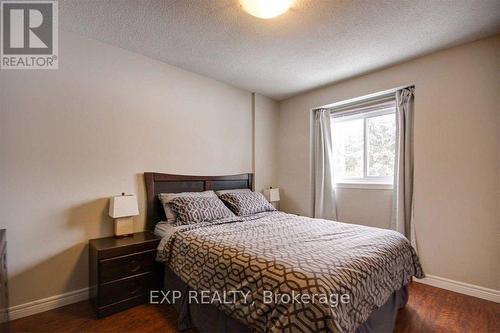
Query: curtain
402	212
324	189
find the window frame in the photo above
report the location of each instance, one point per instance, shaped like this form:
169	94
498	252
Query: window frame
367	182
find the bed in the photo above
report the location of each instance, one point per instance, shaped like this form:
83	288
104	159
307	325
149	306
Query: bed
282	272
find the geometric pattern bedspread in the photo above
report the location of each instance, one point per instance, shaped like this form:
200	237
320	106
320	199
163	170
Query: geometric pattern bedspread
268	255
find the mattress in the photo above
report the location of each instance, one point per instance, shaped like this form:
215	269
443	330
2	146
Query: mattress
344	271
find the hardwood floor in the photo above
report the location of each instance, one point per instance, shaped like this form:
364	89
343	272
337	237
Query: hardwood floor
429	310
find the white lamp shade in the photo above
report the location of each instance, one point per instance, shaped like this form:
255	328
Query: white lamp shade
272	194
123	205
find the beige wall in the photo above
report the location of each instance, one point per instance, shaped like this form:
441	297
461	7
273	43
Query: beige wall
457	149
266	142
72	137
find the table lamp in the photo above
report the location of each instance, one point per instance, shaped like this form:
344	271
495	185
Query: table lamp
122	208
272	195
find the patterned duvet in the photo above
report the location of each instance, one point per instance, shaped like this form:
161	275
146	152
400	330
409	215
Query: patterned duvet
275	253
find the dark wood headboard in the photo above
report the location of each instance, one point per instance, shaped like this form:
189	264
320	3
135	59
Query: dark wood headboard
157	183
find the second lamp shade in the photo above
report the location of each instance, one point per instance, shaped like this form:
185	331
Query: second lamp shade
272	194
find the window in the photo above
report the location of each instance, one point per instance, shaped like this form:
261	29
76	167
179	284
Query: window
363	146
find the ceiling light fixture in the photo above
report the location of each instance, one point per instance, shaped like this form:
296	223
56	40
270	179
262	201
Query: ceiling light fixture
266	9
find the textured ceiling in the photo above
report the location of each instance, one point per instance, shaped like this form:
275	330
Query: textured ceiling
315	43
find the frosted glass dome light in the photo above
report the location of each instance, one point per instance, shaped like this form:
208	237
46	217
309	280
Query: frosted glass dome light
266	9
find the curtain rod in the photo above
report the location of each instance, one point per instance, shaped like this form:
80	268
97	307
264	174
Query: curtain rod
362	98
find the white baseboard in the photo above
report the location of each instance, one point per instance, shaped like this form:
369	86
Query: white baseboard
461	287
49	303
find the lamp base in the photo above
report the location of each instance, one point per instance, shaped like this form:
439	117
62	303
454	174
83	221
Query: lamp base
124	227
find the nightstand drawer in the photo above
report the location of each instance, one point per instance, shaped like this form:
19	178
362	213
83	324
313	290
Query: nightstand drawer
123	289
132	264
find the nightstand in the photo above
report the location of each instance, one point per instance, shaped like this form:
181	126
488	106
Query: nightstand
122	271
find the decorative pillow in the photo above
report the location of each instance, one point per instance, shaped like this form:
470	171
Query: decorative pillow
246	203
165	199
238	190
192	210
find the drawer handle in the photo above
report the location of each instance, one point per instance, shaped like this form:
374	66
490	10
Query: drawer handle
134	265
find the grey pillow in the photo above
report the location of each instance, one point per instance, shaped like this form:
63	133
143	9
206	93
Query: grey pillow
246	203
165	199
192	210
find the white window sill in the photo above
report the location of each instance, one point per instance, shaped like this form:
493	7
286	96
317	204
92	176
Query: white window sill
365	186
